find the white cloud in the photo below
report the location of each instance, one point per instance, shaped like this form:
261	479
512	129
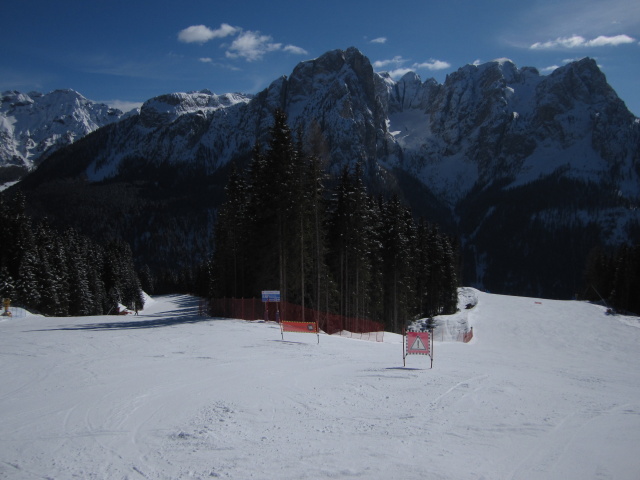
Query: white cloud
252	46
248	45
379	40
577	41
399	72
123	105
549	69
295	50
590	18
397	61
602	40
202	33
433	65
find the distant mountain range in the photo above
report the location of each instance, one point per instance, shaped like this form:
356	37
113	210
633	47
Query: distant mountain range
35	125
529	171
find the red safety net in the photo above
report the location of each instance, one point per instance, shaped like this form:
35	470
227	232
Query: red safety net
330	323
466	336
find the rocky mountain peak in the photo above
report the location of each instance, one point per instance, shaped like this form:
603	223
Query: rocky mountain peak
34	125
165	109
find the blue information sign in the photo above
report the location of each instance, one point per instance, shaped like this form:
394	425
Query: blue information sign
271	295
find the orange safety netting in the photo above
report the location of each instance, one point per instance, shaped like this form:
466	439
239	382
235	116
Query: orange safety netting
300	327
330	323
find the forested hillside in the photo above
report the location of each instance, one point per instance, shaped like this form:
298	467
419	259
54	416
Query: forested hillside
339	250
62	274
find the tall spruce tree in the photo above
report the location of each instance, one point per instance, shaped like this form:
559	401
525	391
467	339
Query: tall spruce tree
351	242
230	256
398	256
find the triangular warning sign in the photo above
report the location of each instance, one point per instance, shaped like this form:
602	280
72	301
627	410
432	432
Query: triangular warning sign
418	344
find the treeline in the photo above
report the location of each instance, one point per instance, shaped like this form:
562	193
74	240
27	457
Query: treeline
614	276
338	250
62	274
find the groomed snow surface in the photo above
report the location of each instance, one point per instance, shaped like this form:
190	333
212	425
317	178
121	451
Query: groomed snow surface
545	390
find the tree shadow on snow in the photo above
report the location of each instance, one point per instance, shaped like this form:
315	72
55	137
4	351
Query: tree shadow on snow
187	312
406	368
138	324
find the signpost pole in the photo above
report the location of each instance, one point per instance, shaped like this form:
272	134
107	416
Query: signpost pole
431	352
404	356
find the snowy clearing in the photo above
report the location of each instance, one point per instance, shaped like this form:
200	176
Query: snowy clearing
545	390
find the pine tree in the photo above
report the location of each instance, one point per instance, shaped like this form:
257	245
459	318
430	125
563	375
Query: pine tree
120	279
27	288
261	229
7	285
351	241
147	279
422	268
80	297
230	240
398	254
284	175
314	213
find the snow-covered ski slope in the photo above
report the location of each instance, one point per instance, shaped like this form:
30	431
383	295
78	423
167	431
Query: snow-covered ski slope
545	390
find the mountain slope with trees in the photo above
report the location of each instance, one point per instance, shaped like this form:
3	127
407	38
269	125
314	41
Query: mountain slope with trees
339	250
62	274
530	172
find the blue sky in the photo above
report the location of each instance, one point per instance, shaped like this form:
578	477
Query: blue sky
125	52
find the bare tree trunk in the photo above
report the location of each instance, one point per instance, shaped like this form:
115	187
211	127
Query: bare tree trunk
302	265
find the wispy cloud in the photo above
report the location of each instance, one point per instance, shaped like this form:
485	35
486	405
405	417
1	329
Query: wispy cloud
295	50
432	65
379	40
202	33
400	70
123	105
565	61
395	61
248	45
252	46
578	41
549	69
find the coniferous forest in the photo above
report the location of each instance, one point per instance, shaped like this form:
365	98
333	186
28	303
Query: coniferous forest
338	250
325	242
62	274
614	277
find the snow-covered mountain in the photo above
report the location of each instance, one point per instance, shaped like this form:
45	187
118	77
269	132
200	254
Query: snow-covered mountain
34	125
195	127
515	163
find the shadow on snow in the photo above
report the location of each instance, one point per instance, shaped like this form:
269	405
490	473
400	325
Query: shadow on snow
186	313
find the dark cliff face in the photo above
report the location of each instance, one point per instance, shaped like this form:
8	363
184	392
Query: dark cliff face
529	171
335	95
